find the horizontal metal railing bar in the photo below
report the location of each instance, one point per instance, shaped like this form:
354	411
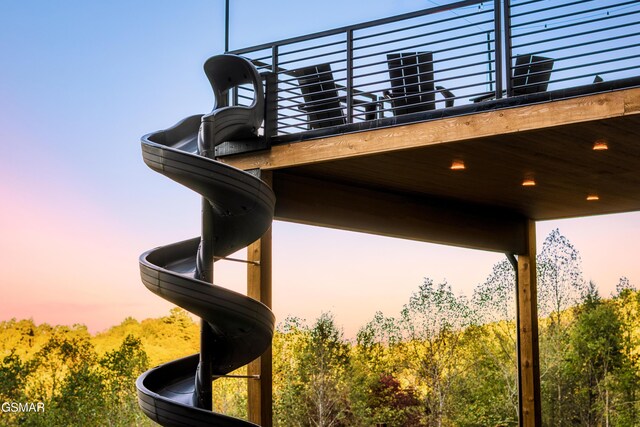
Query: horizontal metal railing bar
298	96
320	102
320	55
285	125
262	58
545	9
590	42
299	112
358	86
425	24
413	27
298	127
484	42
282	116
294	84
309	122
440	70
435	61
472	74
465	96
515	4
289	125
312	74
617	70
290	71
304	49
323	73
318	112
589	32
304	113
567	15
448	30
607	61
613	49
311	94
324	100
377	22
582	22
609	6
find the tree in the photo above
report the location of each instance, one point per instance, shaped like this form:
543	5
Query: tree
326	363
594	353
432	324
379	362
316	383
494	343
289	343
393	404
120	368
560	287
626	403
560	281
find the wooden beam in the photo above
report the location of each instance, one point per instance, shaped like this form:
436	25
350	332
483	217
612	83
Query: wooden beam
323	203
527	324
259	401
460	128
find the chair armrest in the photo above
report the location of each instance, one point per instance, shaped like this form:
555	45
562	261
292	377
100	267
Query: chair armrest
448	95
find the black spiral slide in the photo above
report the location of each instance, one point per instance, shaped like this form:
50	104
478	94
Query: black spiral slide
237	209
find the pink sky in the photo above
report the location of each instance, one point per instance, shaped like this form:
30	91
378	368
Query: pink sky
82	83
67	261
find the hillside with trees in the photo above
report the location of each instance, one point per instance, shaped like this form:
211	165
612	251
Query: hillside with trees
443	360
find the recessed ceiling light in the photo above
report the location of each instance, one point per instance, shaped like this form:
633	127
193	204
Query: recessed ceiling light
591	197
528	182
457	165
600	145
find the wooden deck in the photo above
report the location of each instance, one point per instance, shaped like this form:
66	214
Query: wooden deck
397	181
409	166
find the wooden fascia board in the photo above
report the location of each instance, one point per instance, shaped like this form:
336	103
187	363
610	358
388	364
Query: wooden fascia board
453	129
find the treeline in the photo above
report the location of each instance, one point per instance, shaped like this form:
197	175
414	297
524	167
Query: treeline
85	380
447	360
444	360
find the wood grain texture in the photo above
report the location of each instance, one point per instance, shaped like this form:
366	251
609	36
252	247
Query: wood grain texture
259	287
454	129
529	354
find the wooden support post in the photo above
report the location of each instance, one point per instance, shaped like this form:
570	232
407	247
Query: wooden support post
527	320
259	400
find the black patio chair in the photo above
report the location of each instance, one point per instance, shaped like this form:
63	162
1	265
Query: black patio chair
412	83
322	101
531	74
320	93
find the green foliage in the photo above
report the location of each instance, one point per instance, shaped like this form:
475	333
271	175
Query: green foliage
442	361
316	392
62	368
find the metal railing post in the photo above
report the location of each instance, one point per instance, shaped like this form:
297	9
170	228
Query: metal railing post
349	76
497	9
507	46
271	104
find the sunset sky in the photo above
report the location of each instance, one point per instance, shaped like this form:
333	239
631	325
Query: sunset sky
81	81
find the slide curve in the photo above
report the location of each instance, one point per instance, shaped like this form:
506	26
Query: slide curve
237	210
